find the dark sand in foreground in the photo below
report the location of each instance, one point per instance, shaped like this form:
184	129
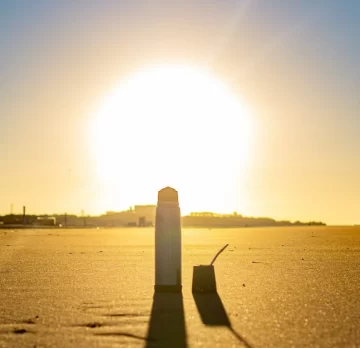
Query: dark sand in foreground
277	287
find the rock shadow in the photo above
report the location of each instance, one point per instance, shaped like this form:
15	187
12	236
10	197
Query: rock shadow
213	313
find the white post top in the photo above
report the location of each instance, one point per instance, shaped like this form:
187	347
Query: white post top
168	194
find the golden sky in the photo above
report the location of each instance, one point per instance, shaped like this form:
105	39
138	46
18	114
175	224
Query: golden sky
291	69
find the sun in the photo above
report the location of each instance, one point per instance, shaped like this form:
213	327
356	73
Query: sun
171	125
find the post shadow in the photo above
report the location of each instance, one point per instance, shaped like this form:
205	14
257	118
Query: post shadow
167	321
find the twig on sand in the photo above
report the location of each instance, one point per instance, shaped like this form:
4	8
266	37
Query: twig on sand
218	253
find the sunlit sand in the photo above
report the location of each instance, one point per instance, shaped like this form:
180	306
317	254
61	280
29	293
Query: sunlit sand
277	287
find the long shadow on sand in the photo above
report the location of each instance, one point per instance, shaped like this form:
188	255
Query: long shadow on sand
213	313
167	322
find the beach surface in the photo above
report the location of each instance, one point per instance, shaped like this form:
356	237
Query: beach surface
277	287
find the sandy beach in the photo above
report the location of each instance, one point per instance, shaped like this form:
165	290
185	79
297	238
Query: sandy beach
277	287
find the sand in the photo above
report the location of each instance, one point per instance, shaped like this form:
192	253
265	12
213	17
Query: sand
277	287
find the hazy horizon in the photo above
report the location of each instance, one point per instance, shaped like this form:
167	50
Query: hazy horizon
261	98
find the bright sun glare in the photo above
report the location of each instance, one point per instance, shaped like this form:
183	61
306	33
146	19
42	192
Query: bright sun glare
171	125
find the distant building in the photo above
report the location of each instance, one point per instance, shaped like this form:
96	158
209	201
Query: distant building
145	210
145	214
139	215
143	223
46	221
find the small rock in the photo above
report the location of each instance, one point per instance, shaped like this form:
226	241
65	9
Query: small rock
244	285
93	325
19	331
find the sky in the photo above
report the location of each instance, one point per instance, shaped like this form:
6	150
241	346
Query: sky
293	63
